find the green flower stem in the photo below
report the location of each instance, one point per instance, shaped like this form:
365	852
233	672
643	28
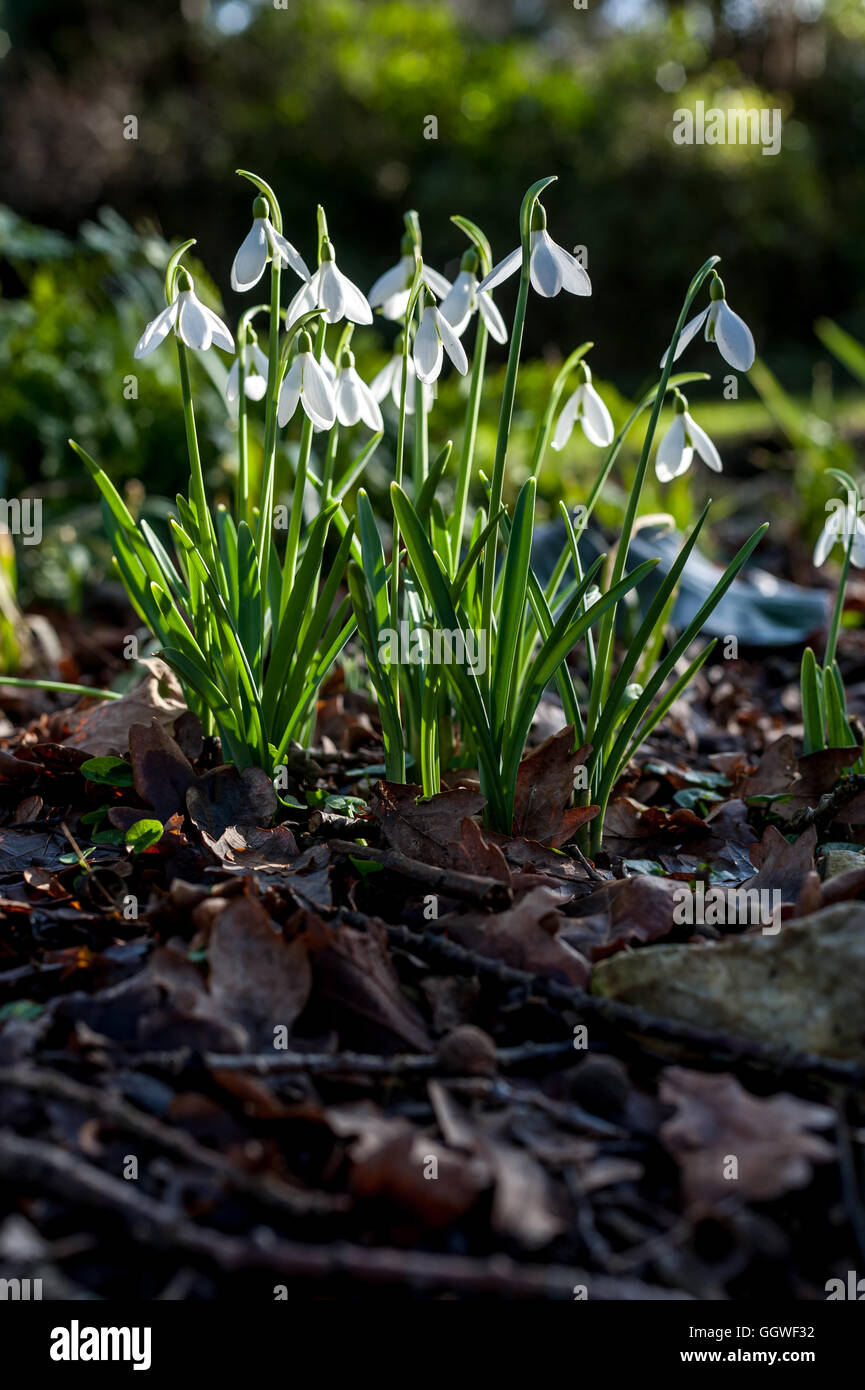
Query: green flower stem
268	467
606	636
242	490
292	547
464	474
197	496
420	454
832	640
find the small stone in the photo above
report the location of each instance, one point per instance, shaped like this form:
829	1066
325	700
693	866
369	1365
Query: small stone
468	1051
841	861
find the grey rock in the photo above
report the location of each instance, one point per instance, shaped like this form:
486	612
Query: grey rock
803	988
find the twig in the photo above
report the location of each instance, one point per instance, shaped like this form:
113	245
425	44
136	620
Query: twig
115	1111
451	883
34	1165
627	1018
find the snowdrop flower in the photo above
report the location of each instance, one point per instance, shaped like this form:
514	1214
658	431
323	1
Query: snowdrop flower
730	334
463	300
255	377
552	267
586	406
331	291
389	380
354	399
195	324
261	243
306	382
433	337
841	521
683	439
391	291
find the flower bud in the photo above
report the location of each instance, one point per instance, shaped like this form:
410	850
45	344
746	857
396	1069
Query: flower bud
304	343
470	261
261	207
716	289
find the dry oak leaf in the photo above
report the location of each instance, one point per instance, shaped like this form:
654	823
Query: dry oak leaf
103	728
545	789
640	908
257	978
782	866
718	1121
525	937
161	774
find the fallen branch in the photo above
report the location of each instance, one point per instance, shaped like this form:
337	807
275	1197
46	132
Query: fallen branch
36	1166
450	883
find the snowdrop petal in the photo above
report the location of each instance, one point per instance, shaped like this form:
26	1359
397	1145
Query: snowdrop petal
703	445
369	411
259	360
826	539
394	282
356	308
567	420
251	258
492	318
428	352
857	554
286	252
546	271
574	278
381	382
458	303
156	331
437	282
501	271
254	386
307	298
331	294
595	419
221	334
734	338
289	392
452	345
674	455
317	393
688	332
193	326
347	396
232	388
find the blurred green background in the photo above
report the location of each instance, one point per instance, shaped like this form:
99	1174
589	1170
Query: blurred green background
330	102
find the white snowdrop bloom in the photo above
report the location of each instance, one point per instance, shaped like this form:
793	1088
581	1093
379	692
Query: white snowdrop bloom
195	325
331	291
260	243
586	406
552	268
389	381
255	377
354	399
683	439
305	382
730	334
391	291
839	524
434	337
463	300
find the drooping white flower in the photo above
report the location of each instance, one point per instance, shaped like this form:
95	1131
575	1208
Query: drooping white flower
255	376
195	325
330	290
552	268
260	243
354	399
391	291
434	337
683	439
840	523
463	300
389	380
586	406
730	334
306	383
